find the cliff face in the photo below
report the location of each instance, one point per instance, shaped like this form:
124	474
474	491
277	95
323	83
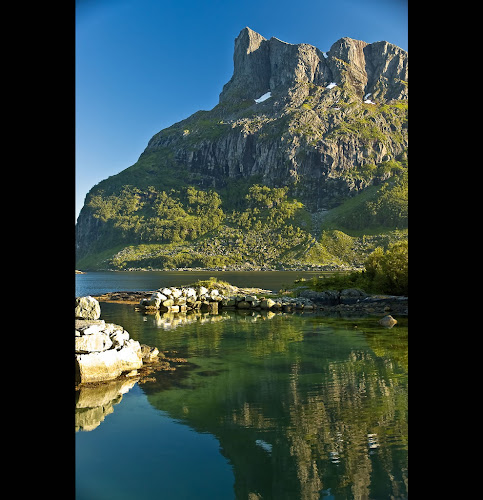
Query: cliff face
315	127
262	65
324	122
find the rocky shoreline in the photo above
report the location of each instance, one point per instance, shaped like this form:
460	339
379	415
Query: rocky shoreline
241	268
105	351
182	300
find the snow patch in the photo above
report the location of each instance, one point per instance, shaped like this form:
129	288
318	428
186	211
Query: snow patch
368	101
332	85
264	97
367	95
325	54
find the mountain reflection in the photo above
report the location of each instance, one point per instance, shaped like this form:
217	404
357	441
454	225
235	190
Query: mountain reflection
303	407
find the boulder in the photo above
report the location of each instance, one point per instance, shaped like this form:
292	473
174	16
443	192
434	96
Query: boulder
267	303
352	295
104	351
97	366
82	324
168	303
388	321
149	354
327	297
129	356
87	308
156	299
91	330
109	364
92	343
118	338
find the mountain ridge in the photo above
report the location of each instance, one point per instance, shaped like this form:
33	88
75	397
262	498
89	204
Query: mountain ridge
262	65
331	125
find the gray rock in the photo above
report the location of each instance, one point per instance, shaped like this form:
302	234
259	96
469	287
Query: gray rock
91	329
87	308
92	343
80	324
149	354
388	321
267	304
327	297
156	299
351	296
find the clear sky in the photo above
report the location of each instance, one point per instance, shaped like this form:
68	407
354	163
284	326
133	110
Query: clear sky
142	65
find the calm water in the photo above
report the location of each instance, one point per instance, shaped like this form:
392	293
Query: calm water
267	407
96	283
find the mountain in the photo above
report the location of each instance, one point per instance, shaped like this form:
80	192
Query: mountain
303	148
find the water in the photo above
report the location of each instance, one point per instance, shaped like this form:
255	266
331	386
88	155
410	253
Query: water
269	406
99	282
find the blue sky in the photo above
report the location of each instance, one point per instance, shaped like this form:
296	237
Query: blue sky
142	65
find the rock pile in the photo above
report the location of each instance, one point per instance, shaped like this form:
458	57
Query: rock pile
104	351
202	299
182	300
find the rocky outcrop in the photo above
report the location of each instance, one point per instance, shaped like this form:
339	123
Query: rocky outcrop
213	301
262	65
104	351
311	133
87	308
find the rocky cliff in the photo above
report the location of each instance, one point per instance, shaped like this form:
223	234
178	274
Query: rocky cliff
318	123
262	65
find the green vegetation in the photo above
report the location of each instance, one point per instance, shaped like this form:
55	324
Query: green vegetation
161	213
377	208
151	216
243	225
385	272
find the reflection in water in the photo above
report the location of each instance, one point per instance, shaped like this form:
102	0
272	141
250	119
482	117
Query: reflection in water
94	402
303	406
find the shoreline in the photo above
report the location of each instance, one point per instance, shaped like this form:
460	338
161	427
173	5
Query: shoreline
315	269
376	304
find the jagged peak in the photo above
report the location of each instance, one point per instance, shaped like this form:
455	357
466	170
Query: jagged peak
261	65
248	40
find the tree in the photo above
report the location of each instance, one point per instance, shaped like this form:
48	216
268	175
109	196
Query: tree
388	271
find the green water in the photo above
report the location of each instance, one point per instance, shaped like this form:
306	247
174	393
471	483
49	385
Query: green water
300	406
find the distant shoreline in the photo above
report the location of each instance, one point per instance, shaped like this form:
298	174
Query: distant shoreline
320	269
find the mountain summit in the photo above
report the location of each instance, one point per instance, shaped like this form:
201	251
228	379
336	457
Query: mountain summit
293	124
262	65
